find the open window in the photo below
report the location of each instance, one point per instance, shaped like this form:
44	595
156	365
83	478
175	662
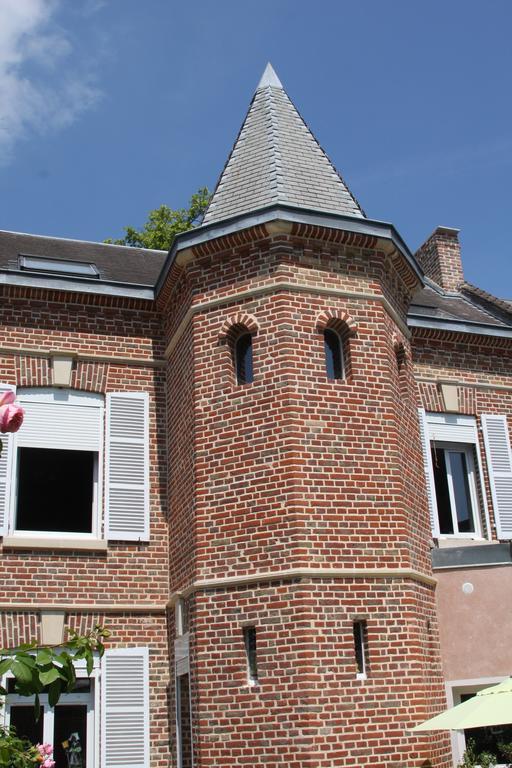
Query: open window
453	469
103	722
57	463
51	470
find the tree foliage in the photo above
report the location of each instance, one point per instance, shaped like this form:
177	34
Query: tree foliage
164	223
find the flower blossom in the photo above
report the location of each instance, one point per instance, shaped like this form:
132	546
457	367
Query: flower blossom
11	416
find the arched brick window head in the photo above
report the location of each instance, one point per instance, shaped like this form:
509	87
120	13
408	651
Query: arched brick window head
243	359
333	349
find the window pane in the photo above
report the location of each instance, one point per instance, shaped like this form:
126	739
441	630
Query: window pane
55	490
243	359
23	720
442	495
333	355
70	739
459	472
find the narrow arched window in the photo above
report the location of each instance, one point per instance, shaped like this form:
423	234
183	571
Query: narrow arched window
243	359
333	354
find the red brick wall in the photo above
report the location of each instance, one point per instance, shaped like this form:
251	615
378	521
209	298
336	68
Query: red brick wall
127	573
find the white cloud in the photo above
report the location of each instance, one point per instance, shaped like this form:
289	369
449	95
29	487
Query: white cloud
42	87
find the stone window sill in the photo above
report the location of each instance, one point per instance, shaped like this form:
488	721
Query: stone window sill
34	542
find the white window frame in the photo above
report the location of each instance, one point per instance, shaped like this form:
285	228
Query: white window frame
452	430
468	452
91	699
454	690
97	502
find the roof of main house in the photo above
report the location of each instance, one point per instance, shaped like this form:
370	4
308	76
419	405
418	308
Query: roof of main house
468	310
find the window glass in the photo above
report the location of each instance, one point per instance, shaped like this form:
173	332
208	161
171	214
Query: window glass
452	477
243	359
333	354
70	742
442	494
459	472
55	490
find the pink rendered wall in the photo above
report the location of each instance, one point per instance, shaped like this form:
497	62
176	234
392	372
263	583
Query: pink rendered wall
475	627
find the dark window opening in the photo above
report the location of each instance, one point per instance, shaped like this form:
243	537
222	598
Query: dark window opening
55	490
250	654
243	359
25	724
360	643
333	354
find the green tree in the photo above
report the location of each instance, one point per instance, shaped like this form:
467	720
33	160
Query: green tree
35	669
163	224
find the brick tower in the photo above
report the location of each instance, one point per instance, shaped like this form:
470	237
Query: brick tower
299	531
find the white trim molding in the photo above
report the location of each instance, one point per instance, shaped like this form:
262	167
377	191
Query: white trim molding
289	574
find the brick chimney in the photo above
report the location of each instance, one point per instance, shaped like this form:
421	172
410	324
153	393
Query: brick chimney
440	258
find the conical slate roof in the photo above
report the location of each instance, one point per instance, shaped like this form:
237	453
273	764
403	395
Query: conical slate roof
276	159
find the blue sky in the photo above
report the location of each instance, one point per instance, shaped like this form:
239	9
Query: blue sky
109	108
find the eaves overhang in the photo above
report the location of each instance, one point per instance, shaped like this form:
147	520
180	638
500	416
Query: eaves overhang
294	215
77	284
455	326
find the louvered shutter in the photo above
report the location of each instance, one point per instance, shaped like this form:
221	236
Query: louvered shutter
499	464
5	472
429	472
125	708
127	467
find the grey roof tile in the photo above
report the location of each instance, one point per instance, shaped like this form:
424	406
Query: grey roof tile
117	263
276	159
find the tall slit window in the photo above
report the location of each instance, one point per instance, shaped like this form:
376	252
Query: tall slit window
360	648
250	655
333	349
243	359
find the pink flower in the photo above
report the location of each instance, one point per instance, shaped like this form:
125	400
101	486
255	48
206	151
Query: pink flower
48	763
11	417
47	749
7	398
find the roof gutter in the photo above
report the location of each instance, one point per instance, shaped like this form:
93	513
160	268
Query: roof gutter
77	284
477	329
294	215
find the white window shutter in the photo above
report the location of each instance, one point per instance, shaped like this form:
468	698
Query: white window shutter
125	708
5	472
499	464
429	472
127	467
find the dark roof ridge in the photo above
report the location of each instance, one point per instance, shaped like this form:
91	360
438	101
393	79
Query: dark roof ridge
486	298
82	242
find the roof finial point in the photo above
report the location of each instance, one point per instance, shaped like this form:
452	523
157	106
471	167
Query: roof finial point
269	78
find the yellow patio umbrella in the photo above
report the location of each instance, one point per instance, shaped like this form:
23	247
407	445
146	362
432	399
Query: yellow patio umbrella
490	706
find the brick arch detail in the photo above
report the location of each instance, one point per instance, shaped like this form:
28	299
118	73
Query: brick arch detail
233	325
336	319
